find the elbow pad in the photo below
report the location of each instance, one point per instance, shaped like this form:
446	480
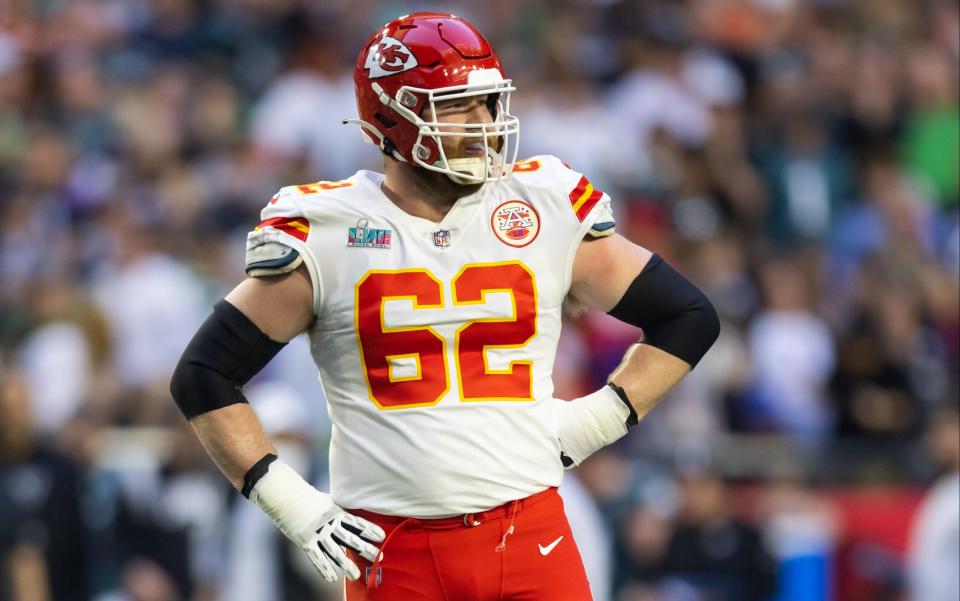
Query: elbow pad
223	355
676	317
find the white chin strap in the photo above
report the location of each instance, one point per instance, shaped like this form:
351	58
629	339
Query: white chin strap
472	170
490	166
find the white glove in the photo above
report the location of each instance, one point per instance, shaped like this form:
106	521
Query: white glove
589	423
312	520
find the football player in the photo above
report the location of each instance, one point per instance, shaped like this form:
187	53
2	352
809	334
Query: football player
432	294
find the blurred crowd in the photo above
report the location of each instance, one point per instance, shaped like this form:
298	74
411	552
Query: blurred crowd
797	159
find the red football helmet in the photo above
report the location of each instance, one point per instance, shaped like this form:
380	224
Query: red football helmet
410	64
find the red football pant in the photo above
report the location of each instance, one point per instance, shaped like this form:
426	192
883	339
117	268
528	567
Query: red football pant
476	557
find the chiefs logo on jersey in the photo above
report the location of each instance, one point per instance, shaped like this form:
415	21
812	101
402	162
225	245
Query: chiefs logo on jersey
515	223
388	57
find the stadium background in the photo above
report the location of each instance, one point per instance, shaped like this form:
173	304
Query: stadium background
796	158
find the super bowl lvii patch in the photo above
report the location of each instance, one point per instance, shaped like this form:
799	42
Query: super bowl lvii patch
364	236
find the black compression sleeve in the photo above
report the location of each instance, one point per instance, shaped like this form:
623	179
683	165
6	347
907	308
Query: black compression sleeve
224	354
675	315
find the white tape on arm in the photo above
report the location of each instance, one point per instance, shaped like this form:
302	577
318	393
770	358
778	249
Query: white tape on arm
297	508
589	423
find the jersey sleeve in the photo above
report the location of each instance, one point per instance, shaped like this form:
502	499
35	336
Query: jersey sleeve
279	244
588	204
592	207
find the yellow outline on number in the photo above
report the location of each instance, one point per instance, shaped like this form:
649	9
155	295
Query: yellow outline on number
512	319
385	330
390	365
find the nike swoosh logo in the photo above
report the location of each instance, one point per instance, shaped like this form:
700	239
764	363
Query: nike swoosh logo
546	550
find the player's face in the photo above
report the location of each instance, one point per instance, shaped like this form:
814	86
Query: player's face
473	109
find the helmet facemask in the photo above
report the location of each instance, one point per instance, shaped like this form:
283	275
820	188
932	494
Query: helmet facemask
499	138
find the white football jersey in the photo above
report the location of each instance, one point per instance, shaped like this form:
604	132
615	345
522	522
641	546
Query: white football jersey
435	341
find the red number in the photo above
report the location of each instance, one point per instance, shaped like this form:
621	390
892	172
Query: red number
381	347
477	381
527	165
318	186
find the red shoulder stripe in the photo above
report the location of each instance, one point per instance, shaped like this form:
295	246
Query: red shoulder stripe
298	227
578	191
591	201
583	198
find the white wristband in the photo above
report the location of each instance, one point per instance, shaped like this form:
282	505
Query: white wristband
297	508
311	519
589	423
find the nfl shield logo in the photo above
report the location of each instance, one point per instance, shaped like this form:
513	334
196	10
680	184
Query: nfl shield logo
441	238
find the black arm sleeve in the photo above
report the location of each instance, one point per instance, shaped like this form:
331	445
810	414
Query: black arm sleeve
675	315
224	354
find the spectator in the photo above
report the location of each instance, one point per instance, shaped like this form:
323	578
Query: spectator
293	119
42	536
934	547
720	556
151	302
792	353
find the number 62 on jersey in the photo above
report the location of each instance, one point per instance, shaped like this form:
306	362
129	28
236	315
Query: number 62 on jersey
381	347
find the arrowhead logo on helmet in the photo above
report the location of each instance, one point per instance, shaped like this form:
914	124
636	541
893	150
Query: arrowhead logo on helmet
389	57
